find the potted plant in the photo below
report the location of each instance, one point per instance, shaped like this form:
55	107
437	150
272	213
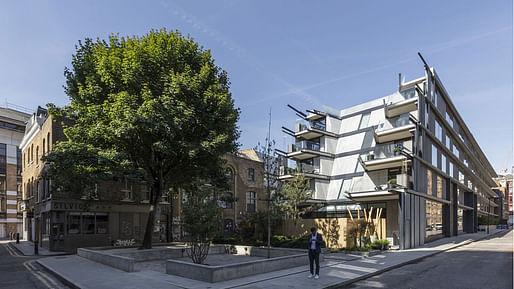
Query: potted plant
391	183
370	156
397	149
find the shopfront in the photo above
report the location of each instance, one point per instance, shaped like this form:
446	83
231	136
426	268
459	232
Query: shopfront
68	225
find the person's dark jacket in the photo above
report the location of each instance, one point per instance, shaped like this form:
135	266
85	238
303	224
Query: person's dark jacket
319	242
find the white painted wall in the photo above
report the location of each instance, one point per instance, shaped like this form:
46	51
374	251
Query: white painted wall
350	124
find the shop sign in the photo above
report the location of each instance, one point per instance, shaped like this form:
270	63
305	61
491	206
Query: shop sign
60	206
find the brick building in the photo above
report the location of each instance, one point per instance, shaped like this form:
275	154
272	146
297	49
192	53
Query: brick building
64	221
12	127
246	174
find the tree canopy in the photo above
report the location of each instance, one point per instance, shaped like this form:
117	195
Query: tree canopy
156	104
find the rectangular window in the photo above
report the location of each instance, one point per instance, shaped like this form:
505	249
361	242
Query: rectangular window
447	142
429	182
250	202
88	223
434	218
438	131
3	158
251	174
443	163
460	214
434	156
461	177
344	192
19	162
427	109
449	119
364	120
73	225
102	223
451	172
440	187
456	152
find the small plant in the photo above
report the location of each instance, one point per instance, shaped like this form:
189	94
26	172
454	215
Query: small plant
381	244
392	181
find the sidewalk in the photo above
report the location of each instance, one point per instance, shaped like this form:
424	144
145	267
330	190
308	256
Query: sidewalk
336	270
27	248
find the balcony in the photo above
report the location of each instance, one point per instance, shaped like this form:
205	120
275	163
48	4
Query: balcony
304	150
396	129
311	129
308	171
408	104
385	157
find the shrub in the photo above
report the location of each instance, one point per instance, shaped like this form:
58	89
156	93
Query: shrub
381	244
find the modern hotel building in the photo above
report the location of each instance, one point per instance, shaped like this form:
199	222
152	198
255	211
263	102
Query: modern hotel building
409	153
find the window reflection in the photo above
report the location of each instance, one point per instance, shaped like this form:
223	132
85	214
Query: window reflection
434	219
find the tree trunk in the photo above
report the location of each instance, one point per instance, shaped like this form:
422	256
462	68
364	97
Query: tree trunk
154	202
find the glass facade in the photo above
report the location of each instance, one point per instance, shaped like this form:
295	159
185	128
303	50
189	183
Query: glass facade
460	213
434	219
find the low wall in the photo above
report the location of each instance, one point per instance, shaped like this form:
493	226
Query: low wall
154	254
233	271
115	261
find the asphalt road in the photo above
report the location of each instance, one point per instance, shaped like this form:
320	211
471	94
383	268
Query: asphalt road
483	264
21	272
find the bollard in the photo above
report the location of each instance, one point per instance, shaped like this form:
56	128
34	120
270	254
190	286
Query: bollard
36	249
17	238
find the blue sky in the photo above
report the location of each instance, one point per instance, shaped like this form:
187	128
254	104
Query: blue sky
305	53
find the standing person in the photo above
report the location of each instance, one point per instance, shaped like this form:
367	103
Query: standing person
315	243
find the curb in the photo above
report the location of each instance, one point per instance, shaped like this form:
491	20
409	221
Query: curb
59	277
378	272
16	249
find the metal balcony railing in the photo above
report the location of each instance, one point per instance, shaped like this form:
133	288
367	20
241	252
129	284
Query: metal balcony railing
385	151
305	125
399	122
306	145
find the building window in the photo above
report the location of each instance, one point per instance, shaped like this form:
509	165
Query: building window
43	147
344	192
427	109
250	202
227	201
456	152
73	224
48	143
358	167
3	159
460	214
443	163
434	219
438	131
102	223
251	174
429	182
440	187
127	192
368	140
447	142
88	223
364	120
434	156
451	172
31	152
19	162
449	119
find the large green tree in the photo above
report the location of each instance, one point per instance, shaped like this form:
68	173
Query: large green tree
153	104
